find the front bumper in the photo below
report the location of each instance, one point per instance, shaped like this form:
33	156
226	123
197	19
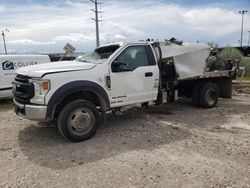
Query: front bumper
32	112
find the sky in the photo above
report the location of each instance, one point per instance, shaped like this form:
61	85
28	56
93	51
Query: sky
45	26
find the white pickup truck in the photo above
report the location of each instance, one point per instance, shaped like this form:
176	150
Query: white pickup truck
77	94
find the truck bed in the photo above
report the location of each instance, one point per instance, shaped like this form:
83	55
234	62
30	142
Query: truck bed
214	74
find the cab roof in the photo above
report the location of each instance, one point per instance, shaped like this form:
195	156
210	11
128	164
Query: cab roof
123	43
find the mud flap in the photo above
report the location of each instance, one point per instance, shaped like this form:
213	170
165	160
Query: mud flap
225	88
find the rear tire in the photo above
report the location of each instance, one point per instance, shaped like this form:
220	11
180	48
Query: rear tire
196	94
209	94
78	121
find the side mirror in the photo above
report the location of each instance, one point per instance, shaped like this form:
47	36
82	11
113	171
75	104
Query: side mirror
118	63
116	66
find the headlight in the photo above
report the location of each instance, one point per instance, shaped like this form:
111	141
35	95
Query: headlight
41	88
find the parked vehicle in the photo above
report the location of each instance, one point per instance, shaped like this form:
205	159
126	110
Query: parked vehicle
78	94
10	63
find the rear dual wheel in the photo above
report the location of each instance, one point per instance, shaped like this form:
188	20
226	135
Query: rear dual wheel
196	94
205	95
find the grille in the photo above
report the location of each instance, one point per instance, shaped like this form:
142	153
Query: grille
22	79
23	90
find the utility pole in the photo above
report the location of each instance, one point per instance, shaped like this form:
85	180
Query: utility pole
96	19
248	38
242	12
4	42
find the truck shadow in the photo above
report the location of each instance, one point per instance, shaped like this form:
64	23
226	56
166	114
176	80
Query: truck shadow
5	104
132	131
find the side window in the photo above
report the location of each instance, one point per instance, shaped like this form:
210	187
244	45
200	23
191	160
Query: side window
131	58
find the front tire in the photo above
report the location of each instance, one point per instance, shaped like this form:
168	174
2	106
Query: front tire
78	121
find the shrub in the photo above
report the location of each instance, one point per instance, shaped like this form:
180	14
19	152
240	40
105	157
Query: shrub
245	62
230	52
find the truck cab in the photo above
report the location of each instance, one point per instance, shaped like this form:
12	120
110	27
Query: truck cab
78	93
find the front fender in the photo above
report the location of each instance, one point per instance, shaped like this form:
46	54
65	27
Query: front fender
73	87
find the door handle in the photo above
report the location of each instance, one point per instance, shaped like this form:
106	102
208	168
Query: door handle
148	74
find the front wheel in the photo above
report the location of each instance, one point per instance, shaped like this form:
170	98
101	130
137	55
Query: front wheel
78	121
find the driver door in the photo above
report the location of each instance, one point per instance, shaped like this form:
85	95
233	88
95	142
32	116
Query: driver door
133	75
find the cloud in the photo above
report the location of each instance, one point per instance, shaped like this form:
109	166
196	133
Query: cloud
29	42
119	36
47	27
75	37
2	9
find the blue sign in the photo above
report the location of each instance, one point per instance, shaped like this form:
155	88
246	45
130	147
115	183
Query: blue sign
8	65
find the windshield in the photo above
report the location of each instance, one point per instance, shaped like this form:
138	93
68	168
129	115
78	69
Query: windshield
100	55
90	57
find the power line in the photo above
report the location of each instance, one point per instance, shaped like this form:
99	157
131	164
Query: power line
132	10
96	19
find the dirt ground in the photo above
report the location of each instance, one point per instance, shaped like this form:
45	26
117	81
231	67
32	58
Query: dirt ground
176	145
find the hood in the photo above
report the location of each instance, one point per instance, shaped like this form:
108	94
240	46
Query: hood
54	67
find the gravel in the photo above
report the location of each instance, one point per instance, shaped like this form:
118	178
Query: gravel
175	145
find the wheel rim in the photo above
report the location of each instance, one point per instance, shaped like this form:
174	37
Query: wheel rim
81	121
211	96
